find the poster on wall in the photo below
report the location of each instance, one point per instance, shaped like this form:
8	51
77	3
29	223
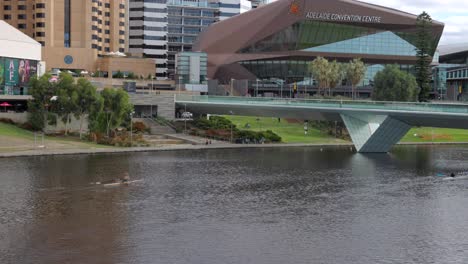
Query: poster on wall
24	72
11	72
2	72
32	70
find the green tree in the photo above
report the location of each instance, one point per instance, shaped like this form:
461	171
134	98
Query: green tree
41	90
392	84
424	48
66	99
116	107
320	71
355	72
87	100
335	75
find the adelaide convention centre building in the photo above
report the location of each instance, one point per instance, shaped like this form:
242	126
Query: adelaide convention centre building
277	41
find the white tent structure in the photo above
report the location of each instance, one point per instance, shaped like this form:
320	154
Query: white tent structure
16	44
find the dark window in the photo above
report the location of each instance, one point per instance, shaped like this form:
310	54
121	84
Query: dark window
6	17
122	24
107	5
40	15
42	43
106	40
121	41
40	5
67	28
22	26
40	24
6	7
121	50
40	34
107	14
21	7
106	31
22	16
121	32
121	15
107	49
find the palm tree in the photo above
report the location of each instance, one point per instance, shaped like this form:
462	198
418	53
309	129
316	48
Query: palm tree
355	72
320	70
335	75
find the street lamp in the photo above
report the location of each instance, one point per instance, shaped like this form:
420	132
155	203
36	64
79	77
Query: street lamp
256	92
231	113
281	91
232	81
131	128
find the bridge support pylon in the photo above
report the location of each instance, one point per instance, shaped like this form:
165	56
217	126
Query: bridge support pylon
374	133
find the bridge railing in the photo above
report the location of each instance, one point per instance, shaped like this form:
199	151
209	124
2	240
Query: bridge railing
325	103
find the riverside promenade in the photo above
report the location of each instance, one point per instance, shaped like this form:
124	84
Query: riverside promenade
181	147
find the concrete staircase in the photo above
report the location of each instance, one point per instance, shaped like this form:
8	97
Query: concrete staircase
156	128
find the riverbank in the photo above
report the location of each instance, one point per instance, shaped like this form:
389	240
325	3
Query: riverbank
91	151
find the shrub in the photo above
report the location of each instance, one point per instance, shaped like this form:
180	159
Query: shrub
139	127
7	121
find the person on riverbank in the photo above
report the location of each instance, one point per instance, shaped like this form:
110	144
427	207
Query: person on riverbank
452	175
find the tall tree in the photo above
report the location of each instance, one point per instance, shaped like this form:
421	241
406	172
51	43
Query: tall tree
116	107
424	49
41	90
355	72
66	98
320	71
87	100
335	75
392	84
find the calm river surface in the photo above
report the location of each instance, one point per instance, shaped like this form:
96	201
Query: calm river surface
291	205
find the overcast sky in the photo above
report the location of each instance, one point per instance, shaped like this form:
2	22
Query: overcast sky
454	13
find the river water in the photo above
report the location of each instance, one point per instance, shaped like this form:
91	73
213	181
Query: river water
290	205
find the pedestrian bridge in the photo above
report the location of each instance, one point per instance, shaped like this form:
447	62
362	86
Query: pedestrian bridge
373	126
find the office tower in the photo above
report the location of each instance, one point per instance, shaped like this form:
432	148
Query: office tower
159	29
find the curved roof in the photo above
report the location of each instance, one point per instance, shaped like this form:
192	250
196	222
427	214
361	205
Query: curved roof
16	44
225	39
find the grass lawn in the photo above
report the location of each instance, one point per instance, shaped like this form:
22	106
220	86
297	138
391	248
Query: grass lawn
427	134
294	132
13	136
14	131
289	132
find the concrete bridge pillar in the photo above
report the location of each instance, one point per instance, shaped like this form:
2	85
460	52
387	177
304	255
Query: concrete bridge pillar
374	133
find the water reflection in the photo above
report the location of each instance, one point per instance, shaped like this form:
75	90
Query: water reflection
294	205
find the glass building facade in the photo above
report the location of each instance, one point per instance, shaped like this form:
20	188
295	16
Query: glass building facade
330	38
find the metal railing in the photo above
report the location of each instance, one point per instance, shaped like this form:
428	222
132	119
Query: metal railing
332	104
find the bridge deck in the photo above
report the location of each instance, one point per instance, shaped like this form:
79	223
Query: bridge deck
328	104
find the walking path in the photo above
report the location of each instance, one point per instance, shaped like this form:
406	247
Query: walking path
74	151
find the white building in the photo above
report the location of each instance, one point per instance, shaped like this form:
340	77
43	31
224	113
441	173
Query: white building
20	59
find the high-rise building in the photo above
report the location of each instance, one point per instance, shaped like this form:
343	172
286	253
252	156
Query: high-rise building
74	34
159	29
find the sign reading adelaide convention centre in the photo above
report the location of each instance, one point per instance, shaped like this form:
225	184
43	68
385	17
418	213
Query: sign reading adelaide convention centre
343	17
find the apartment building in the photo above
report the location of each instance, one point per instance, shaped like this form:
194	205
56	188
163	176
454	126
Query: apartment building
74	34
